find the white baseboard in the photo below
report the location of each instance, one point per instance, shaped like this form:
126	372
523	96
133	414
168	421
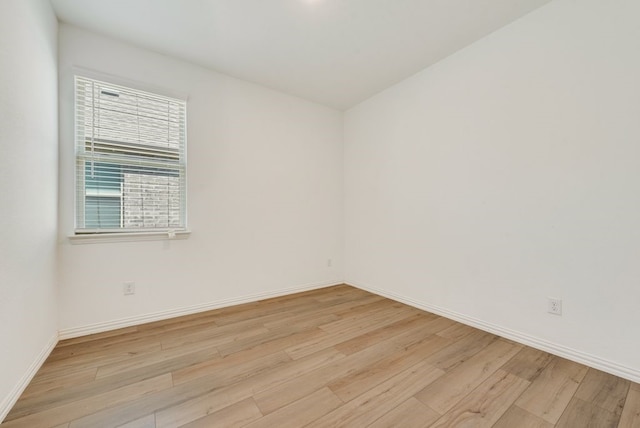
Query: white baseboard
525	339
9	401
69	333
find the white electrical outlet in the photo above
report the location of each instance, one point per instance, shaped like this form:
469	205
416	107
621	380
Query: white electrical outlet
129	288
329	262
555	306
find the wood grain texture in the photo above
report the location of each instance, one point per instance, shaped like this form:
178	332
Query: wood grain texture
528	363
235	416
337	356
301	412
68	412
518	417
487	404
549	395
370	375
410	414
461	350
631	411
148	421
580	413
603	390
447	391
366	408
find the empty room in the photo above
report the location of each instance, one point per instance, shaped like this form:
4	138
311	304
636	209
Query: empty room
323	213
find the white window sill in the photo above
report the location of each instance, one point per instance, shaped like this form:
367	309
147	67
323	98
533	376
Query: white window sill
96	238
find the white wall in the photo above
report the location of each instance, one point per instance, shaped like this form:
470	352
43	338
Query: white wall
28	195
264	195
507	173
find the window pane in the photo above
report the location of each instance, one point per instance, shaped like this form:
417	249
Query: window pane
130	157
102	212
102	178
151	200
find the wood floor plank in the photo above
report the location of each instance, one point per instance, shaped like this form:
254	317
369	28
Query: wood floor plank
528	363
148	421
225	371
349	331
301	412
410	414
129	342
97	336
201	406
202	329
337	356
276	339
456	331
487	404
604	390
296	388
204	322
135	409
551	391
86	406
438	324
631	412
95	359
354	318
372	306
76	392
319	310
235	416
370	406
461	350
251	311
183	323
365	340
325	314
447	391
222	393
580	413
320	307
41	385
518	417
223	389
206	351
243	385
214	337
294	370
340	291
273	318
370	375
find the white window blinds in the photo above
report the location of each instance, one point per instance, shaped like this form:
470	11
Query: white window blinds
130	159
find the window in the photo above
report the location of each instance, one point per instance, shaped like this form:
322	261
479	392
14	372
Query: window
130	160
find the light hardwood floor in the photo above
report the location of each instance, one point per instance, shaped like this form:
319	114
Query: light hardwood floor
337	356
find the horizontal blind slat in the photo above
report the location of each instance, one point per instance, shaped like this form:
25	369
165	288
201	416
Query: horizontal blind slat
130	151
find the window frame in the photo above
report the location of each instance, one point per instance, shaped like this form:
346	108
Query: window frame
89	235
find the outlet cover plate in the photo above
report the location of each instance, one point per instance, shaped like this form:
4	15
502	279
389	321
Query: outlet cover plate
129	288
554	306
